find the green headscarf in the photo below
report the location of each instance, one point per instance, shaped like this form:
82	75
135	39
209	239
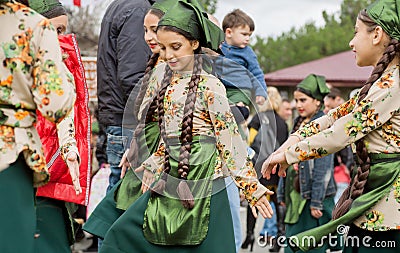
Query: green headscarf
48	8
165	5
314	86
189	18
386	13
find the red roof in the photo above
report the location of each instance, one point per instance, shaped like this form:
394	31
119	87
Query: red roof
340	70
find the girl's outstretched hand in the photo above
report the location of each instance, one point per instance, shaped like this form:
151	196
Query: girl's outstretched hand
147	180
276	160
73	166
263	206
124	163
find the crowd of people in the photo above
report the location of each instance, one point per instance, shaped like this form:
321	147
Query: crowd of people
188	131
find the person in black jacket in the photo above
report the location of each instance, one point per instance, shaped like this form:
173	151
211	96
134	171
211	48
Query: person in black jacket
121	62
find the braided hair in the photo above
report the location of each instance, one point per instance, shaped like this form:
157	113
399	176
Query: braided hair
356	188
150	109
186	136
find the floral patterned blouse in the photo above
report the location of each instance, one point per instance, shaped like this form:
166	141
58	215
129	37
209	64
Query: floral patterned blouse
377	120
32	76
212	117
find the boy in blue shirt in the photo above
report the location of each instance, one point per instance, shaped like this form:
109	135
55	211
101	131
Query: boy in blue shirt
238	27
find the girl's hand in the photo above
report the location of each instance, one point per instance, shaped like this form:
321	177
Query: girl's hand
147	180
274	161
263	206
124	163
316	213
73	166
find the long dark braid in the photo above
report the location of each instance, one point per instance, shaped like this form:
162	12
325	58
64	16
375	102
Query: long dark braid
356	188
149	109
160	185
186	137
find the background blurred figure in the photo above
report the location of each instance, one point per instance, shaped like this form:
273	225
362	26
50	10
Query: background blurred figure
33	76
285	110
267	131
333	99
309	187
343	159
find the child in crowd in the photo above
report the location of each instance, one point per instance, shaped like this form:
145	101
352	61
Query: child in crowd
238	27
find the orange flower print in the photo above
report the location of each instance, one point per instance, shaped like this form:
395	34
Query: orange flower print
7	82
20	115
7	136
386	81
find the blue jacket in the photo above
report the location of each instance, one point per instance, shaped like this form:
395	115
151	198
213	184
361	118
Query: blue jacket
316	179
231	75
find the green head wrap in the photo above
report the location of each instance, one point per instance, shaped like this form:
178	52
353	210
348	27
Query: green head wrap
386	13
48	8
314	86
165	5
189	18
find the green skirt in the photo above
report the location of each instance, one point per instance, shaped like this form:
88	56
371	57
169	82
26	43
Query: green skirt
53	226
17	214
126	235
383	173
307	221
161	223
125	192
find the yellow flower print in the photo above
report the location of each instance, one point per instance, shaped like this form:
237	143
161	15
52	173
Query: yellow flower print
397	190
59	92
45	23
210	97
7	137
374	220
386	81
310	129
368	118
353	127
20	115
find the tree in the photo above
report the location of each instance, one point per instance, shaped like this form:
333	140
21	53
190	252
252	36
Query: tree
85	23
209	5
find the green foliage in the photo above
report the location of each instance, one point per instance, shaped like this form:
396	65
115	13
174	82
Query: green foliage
309	42
209	5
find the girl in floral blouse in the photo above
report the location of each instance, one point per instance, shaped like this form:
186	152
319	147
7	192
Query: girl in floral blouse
371	122
32	77
146	135
188	207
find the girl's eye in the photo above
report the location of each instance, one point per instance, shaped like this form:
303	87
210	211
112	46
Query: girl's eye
176	47
155	30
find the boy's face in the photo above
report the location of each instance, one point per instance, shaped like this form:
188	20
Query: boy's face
238	36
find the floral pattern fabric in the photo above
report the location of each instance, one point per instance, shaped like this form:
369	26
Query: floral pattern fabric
32	76
377	120
212	117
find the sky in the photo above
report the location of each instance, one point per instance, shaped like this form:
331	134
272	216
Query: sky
272	17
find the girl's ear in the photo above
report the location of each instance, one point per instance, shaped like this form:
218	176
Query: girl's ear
195	44
378	35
